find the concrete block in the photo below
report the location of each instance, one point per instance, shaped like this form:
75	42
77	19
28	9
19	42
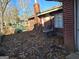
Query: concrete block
4	57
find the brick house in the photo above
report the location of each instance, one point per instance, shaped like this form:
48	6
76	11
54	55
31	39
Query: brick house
52	18
71	23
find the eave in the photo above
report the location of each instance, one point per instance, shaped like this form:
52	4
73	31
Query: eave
55	0
47	11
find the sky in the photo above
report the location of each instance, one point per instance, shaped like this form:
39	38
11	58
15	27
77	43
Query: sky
44	5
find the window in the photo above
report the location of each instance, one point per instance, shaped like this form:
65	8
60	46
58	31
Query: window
58	20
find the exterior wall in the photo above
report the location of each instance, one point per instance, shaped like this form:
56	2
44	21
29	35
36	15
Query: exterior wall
31	25
32	22
68	7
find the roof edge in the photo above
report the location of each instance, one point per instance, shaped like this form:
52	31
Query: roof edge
55	0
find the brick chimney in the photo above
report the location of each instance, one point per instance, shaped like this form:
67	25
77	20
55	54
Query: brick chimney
36	7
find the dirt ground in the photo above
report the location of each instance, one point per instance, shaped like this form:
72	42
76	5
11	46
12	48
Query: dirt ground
33	45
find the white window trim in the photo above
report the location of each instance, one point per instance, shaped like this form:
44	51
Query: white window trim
56	25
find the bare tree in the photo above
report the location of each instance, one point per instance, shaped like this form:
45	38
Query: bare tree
3	6
24	6
11	19
26	11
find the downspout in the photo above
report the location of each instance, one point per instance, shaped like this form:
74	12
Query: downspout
75	24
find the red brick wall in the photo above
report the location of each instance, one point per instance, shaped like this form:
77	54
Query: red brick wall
68	7
36	8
